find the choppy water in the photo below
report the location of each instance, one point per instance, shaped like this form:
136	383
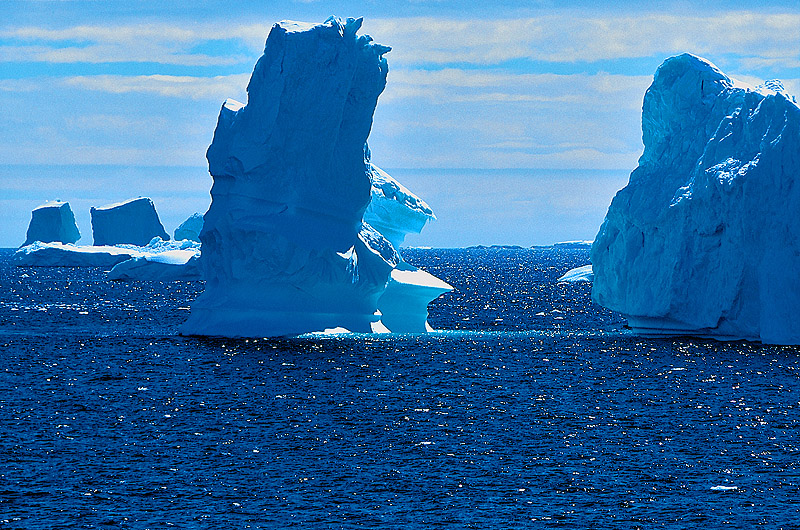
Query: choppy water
535	409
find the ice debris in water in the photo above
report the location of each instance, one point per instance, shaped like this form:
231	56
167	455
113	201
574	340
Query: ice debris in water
287	245
705	238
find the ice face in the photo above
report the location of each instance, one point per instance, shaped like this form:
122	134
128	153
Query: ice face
190	228
52	222
705	238
133	222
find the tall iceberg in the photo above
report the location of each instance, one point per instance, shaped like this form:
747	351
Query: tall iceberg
285	248
52	222
705	238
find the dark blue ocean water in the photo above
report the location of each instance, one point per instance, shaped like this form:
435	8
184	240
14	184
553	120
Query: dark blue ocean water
534	409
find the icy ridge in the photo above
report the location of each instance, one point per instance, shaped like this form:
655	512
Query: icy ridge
705	238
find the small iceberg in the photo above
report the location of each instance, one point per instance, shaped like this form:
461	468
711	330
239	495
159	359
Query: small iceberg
724	488
578	274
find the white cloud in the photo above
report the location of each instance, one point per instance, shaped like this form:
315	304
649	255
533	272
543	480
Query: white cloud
571	38
450	86
216	88
761	41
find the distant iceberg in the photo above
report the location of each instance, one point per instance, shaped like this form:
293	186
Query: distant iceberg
158	260
287	243
705	238
164	266
190	228
52	222
133	222
56	254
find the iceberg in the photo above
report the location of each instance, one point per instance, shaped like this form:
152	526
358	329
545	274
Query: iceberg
190	228
287	246
51	222
705	238
578	274
56	254
133	222
158	260
167	266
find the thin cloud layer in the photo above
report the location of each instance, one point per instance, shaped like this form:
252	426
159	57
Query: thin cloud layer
757	40
169	86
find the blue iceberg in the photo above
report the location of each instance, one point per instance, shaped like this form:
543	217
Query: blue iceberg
705	238
286	246
51	222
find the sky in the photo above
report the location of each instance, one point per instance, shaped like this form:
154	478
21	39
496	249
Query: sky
516	121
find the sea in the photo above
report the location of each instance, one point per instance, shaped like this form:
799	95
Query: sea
530	407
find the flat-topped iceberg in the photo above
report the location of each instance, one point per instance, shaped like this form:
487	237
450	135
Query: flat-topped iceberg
158	260
133	222
51	222
56	254
286	249
705	238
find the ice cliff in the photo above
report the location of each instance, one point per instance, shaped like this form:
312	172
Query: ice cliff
52	222
285	246
133	222
705	238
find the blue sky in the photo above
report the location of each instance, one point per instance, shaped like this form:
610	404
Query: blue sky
105	100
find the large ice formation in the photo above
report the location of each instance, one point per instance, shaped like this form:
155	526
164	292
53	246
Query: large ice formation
56	254
190	228
705	238
286	249
53	221
133	222
158	260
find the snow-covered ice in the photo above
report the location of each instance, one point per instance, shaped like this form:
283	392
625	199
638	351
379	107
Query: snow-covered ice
578	274
158	260
190	228
573	244
705	238
53	221
286	249
404	303
165	266
393	210
133	222
40	254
